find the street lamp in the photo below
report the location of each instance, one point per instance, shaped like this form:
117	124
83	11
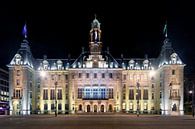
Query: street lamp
56	83
138	108
192	92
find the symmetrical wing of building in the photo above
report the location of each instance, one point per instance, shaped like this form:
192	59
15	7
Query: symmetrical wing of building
96	81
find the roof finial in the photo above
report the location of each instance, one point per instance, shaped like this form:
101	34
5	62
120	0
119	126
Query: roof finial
24	31
95	16
165	29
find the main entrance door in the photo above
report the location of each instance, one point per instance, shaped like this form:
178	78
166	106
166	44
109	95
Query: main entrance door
88	108
95	108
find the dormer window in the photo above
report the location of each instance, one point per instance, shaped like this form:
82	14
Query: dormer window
59	64
131	64
18	59
146	64
45	64
174	58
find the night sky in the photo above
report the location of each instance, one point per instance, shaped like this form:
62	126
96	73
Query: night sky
134	29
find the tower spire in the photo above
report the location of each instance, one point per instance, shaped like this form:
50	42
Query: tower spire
165	29
24	31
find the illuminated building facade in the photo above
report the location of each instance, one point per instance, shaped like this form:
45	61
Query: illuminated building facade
96	81
4	86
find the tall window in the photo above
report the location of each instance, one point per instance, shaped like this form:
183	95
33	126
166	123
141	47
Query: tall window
152	85
87	93
95	75
66	77
110	75
59	106
103	93
66	96
124	96
17	82
17	93
138	94
103	75
52	94
87	75
124	77
80	75
145	97
160	94
152	96
110	93
72	76
59	77
60	94
45	107
95	93
131	94
80	92
52	106
45	94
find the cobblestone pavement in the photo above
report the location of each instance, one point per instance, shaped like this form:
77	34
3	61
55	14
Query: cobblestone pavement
114	121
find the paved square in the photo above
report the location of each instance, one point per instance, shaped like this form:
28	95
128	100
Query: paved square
114	121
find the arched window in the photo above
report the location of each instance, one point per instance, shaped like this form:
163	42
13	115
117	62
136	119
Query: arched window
146	64
45	64
59	64
131	64
18	59
174	58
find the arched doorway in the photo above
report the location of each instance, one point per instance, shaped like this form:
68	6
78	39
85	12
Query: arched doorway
174	108
102	108
95	108
80	107
88	108
110	108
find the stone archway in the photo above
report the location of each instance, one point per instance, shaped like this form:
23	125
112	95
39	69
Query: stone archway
80	107
102	108
88	108
110	108
95	108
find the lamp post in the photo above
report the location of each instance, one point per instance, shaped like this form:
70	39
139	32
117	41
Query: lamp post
192	92
56	83
138	108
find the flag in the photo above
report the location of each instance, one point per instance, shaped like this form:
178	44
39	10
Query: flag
24	31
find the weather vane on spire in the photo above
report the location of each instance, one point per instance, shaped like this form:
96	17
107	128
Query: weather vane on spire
24	31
